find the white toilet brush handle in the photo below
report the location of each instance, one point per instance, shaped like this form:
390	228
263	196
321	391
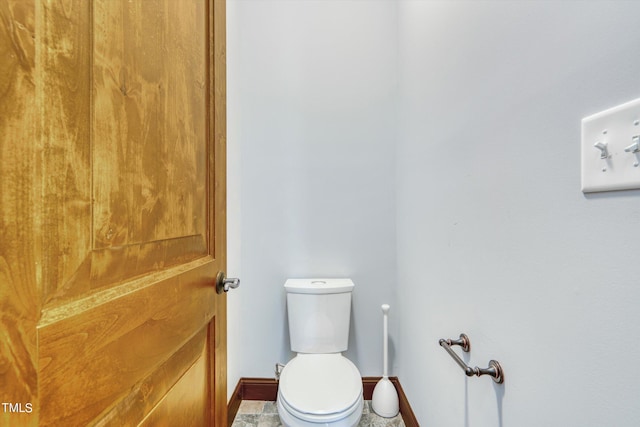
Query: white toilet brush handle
384	400
385	346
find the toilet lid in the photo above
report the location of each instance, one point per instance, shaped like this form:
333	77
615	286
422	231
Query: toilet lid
320	384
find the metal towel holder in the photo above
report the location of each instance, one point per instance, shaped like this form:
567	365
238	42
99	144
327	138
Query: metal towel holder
494	370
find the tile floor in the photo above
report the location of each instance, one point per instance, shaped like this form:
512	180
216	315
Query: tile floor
258	413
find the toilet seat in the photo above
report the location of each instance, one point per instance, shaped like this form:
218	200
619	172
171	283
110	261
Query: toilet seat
320	387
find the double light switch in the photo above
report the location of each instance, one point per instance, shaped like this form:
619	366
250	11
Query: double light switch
611	149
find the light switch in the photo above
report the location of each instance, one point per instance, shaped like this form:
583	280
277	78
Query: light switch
610	149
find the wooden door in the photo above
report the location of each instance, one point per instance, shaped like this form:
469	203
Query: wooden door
112	218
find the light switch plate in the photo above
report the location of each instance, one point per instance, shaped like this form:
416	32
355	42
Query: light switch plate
615	127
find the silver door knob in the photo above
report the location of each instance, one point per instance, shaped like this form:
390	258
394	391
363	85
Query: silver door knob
223	284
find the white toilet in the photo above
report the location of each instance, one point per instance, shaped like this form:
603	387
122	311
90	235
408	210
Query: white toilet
319	387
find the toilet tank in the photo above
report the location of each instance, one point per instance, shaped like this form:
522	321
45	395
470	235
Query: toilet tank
319	311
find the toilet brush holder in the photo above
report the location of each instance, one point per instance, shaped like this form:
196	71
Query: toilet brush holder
385	397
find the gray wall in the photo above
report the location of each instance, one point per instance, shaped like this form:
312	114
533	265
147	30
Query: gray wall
311	109
430	151
495	238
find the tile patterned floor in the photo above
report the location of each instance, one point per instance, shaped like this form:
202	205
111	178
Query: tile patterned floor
258	413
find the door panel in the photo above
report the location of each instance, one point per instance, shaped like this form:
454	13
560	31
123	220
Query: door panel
147	394
113	208
183	402
109	345
149	121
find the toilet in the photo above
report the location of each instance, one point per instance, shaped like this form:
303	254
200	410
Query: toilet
319	386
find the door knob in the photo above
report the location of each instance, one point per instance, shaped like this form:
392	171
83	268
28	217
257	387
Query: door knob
223	284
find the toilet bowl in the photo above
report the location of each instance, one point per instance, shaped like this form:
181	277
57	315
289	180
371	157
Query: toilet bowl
319	387
320	390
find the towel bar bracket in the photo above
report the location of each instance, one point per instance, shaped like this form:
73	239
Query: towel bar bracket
463	342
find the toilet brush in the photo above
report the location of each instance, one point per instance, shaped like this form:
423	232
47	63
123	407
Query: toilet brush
385	397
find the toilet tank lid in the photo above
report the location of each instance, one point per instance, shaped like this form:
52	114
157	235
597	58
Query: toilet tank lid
318	286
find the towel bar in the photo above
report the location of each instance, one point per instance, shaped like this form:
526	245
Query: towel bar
494	370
